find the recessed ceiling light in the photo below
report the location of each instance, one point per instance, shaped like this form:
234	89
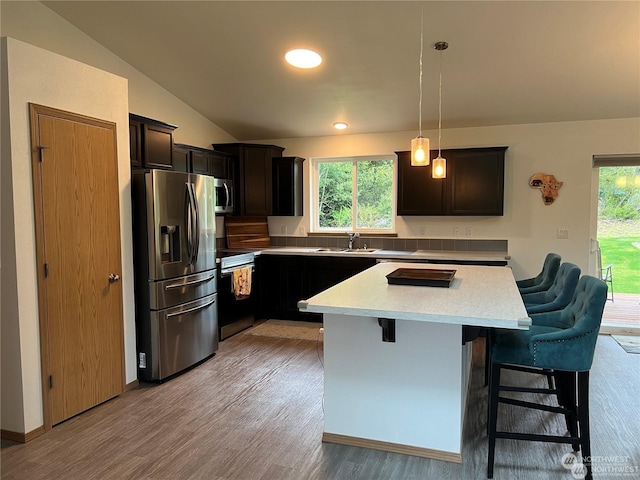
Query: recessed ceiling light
303	58
340	125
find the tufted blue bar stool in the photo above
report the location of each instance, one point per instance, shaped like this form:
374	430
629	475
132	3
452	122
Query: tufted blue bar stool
544	279
559	294
563	341
556	297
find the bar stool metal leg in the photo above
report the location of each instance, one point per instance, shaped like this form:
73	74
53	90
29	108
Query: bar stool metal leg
583	421
494	392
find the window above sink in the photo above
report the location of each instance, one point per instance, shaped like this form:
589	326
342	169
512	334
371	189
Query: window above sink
353	193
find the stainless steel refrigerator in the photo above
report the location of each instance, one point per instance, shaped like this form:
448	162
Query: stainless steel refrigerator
174	231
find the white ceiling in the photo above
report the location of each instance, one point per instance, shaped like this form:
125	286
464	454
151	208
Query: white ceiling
508	62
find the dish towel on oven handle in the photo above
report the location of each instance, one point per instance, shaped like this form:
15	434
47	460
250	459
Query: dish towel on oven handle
241	283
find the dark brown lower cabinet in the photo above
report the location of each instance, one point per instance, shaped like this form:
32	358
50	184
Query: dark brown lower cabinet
282	283
283	280
325	272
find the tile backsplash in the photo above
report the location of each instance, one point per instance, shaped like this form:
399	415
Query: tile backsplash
401	244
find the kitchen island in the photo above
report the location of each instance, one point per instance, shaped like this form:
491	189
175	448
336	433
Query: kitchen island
396	368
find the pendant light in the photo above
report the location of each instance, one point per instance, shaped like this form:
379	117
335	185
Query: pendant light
420	145
439	169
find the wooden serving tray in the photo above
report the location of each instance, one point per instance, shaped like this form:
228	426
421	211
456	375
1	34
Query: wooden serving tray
425	277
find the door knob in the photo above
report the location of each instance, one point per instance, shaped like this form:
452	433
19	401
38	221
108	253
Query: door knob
114	277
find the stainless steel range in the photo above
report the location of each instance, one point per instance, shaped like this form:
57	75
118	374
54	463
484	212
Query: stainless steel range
234	314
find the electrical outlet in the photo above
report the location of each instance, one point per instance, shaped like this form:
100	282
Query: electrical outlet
563	233
457	231
302	231
423	231
469	232
283	229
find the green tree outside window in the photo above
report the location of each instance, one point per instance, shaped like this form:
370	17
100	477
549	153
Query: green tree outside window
355	194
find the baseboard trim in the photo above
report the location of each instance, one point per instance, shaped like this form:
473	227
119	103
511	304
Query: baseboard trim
392	447
26	437
131	386
22	437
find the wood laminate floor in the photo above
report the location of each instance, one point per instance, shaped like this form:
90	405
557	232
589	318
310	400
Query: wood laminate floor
254	411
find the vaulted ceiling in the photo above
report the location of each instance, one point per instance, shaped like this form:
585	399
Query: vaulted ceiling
508	62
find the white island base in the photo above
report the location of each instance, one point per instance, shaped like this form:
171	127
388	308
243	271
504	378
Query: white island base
406	396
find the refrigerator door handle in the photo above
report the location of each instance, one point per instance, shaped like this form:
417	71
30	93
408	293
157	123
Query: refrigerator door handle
191	310
190	214
187	220
196	226
186	284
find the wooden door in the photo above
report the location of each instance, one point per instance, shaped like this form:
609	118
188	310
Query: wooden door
76	198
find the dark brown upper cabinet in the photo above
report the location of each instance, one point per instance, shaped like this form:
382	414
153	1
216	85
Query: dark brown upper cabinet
254	192
474	184
187	158
287	186
135	143
181	158
150	143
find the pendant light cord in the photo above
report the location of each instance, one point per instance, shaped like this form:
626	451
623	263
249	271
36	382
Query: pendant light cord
420	77
440	106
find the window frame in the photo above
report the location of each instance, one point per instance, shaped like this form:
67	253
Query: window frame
354	159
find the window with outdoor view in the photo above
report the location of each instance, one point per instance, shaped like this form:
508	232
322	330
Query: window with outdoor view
354	194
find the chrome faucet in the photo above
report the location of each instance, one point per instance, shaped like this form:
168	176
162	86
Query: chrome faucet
351	237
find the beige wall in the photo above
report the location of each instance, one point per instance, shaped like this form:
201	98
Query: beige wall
37	76
562	149
10	368
36	24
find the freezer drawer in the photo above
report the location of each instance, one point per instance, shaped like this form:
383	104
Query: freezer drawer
181	337
169	293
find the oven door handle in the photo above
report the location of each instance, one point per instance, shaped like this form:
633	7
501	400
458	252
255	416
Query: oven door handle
188	284
191	310
227	272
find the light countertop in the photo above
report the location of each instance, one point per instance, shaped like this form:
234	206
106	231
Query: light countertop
438	255
477	296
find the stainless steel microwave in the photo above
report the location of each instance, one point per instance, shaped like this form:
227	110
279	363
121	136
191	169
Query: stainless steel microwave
224	195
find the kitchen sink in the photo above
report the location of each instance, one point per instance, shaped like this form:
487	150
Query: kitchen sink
347	250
